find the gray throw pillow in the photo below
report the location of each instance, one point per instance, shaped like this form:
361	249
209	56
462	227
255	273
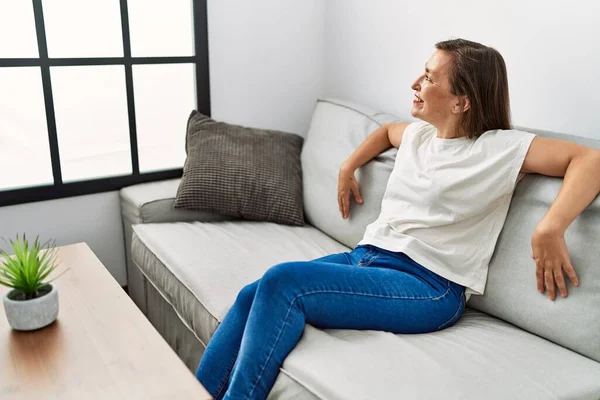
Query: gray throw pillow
242	172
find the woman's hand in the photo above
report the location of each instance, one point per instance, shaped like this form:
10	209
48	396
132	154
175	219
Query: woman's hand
551	258
347	184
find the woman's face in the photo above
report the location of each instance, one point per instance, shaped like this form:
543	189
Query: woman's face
433	101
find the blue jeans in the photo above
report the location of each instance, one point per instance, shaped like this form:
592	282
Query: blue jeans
367	288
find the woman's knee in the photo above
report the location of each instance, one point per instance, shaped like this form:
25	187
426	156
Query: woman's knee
246	295
281	276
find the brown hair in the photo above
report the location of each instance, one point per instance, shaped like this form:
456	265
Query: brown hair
479	72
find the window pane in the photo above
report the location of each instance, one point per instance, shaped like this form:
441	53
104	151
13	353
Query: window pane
17	30
90	104
161	30
83	28
24	150
164	97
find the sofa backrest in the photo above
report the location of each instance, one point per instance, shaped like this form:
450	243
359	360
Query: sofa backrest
337	129
510	294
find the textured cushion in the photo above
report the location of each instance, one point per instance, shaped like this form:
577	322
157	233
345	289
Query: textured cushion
480	357
511	292
241	172
201	267
337	129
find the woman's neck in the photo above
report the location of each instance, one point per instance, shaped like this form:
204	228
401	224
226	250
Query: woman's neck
449	131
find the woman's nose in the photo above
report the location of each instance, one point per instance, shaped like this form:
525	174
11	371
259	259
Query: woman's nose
416	84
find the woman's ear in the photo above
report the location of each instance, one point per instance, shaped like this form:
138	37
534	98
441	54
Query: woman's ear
462	105
466	103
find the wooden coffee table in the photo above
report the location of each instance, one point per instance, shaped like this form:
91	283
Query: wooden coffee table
101	346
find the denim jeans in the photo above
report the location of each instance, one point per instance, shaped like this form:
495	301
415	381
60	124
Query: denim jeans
367	288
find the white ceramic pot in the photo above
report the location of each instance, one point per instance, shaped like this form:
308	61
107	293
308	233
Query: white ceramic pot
28	315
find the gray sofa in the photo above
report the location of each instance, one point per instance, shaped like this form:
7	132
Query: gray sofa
186	268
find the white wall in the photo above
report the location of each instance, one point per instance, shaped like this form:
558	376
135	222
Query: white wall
374	50
266	68
94	219
266	61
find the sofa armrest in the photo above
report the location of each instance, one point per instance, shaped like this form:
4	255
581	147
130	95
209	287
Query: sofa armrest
152	203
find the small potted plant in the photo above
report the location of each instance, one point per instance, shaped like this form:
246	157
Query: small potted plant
33	302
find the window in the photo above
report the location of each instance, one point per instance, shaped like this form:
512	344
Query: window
95	95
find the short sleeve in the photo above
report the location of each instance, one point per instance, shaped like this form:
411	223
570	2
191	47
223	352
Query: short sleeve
413	130
520	142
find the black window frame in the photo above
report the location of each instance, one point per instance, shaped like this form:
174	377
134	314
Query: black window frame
60	189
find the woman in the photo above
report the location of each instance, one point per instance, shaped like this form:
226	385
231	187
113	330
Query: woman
445	204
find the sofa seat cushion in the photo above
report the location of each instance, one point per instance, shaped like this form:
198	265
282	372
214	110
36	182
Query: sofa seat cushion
480	357
199	268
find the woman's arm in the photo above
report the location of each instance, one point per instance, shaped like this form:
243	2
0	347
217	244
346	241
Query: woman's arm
580	167
377	142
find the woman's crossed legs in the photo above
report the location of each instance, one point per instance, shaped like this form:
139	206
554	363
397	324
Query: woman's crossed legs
365	289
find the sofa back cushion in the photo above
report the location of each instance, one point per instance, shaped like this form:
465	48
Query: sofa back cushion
511	294
337	129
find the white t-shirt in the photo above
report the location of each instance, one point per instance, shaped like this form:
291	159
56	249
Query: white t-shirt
447	199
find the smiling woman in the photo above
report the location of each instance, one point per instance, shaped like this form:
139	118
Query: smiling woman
466	149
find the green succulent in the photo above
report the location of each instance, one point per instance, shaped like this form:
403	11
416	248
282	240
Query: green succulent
27	269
